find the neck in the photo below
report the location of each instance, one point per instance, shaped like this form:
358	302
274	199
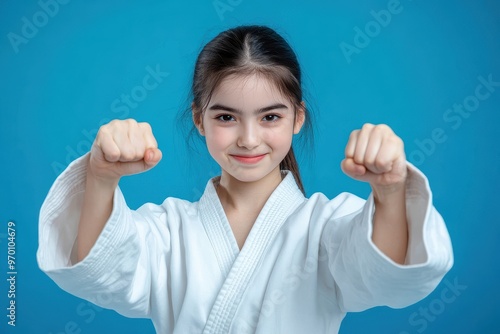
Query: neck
245	196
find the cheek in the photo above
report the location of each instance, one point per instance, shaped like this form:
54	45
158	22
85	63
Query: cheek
217	138
279	137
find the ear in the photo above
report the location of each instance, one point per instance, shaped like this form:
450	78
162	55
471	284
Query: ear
197	118
300	118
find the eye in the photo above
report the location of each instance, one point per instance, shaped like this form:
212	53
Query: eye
224	118
271	118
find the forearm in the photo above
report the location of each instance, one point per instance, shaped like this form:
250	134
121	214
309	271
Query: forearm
390	226
96	209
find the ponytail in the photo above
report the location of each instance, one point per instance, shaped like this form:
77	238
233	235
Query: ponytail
290	163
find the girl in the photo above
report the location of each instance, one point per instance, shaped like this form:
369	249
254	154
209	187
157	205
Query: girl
253	255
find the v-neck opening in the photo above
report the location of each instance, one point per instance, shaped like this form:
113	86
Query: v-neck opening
217	227
285	199
217	224
225	221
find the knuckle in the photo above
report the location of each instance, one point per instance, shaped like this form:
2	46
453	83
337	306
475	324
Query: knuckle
103	137
145	126
112	154
358	158
369	160
395	140
105	129
130	122
139	149
367	126
139	153
381	128
127	154
113	124
102	133
380	163
369	163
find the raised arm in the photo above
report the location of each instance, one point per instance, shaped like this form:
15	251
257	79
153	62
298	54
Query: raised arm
120	148
376	155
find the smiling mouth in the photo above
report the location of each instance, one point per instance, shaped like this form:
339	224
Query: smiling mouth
249	159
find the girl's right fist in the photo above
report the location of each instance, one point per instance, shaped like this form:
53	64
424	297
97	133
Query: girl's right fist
123	148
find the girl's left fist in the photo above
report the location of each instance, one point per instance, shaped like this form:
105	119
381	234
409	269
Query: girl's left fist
376	155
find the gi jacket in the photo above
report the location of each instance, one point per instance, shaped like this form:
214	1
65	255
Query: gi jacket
305	263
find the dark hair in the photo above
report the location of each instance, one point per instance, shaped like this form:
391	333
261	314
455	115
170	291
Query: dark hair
246	50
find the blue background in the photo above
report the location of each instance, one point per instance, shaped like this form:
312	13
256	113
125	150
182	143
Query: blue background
59	84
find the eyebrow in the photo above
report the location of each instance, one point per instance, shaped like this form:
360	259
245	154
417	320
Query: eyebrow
218	106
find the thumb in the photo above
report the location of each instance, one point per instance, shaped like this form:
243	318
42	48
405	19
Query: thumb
353	170
151	158
359	172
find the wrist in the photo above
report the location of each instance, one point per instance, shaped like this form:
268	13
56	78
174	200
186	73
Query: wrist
101	183
391	193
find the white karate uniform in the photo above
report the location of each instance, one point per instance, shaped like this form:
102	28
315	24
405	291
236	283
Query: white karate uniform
305	263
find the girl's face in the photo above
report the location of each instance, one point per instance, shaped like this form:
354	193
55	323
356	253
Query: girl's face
249	126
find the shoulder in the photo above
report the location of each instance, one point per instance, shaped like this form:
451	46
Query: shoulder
319	209
179	205
170	210
341	205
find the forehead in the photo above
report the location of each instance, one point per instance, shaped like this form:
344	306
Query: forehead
253	88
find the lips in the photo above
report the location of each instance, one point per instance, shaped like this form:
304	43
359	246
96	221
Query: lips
249	159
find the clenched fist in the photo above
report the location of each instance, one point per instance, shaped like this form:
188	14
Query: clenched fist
123	148
376	155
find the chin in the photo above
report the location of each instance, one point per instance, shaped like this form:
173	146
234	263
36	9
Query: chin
249	175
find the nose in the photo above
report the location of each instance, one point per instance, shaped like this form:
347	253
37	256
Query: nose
249	137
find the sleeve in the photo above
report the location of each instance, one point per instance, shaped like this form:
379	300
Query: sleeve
364	276
117	273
